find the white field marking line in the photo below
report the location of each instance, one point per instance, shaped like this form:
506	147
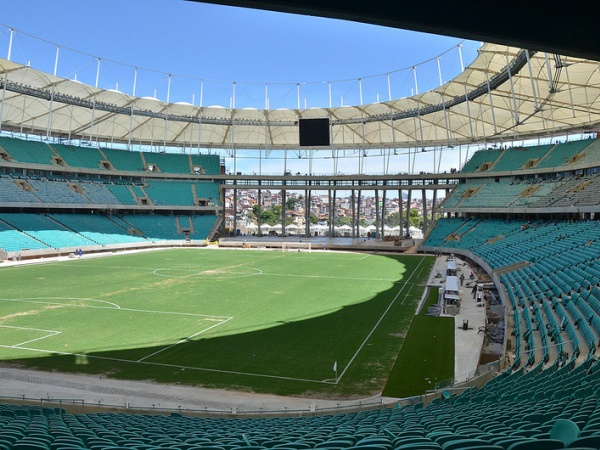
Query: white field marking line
293	275
378	322
203	369
97	266
197	274
407	294
27	300
184	340
50	333
365	257
37	300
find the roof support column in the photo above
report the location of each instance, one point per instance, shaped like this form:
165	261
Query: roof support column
418	104
535	101
566	66
3	95
259	209
10	42
307	196
424	206
199	129
70	123
333	216
487	80
330	221
283	205
56	61
358	199
433	207
383	199
353	209
98	72
167	113
92	122
234	221
469	114
408	201
48	128
400	213
130	128
377	215
135	73
512	91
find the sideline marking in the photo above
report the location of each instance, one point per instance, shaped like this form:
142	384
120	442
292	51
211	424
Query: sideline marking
204	369
378	322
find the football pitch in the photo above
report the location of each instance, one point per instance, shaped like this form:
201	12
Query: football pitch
267	321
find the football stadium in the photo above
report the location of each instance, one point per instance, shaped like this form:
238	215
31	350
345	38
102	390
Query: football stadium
160	288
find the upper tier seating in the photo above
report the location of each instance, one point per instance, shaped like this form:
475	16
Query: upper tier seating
517	158
89	158
124	160
168	162
481	161
208	164
561	154
562	192
27	151
539	157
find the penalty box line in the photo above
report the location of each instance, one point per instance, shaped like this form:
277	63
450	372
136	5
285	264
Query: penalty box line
189	338
51	333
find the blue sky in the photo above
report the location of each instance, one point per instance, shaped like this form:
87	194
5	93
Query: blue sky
221	44
207	47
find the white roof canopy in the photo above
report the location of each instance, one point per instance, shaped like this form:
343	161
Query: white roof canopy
506	93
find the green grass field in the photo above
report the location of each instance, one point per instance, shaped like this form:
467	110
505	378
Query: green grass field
264	321
426	358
